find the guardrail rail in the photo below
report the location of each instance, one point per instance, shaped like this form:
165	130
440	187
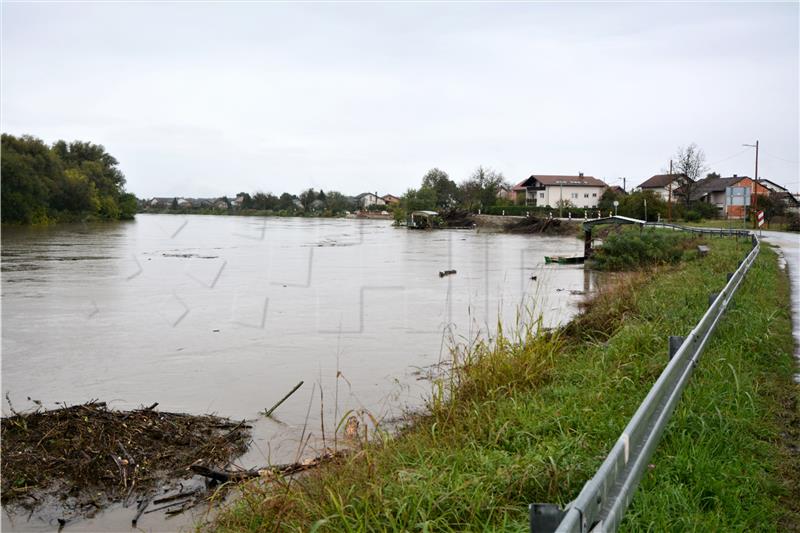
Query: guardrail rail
603	500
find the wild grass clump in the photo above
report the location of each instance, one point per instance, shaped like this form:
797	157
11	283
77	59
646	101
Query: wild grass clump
630	250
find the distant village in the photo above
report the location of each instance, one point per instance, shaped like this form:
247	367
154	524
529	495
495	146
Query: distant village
712	197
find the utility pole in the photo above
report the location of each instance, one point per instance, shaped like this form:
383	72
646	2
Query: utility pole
669	201
755	187
561	198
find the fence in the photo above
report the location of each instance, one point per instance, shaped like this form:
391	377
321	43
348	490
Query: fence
603	500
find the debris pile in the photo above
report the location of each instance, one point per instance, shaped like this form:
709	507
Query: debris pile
551	226
83	458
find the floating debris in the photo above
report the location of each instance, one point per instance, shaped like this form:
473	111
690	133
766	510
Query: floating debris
85	457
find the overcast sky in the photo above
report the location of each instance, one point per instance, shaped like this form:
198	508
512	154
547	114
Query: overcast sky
205	99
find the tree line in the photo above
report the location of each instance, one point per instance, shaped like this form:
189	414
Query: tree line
62	182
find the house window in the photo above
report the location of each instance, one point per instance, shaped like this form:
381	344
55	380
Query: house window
586	195
594	195
541	195
575	195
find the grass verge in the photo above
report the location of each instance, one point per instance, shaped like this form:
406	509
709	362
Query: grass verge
531	418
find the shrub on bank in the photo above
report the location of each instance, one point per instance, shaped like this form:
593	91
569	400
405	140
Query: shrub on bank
631	250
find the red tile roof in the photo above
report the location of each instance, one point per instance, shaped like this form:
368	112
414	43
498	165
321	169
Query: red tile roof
662	180
566	181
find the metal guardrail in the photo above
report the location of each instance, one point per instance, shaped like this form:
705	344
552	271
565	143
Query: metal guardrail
603	500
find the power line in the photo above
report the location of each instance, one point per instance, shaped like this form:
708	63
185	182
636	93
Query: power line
781	158
729	157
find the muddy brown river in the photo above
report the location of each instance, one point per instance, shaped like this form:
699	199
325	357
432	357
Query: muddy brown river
208	314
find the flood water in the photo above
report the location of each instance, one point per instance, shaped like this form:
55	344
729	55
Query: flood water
225	315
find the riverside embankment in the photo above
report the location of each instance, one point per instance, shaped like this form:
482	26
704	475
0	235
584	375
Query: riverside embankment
530	417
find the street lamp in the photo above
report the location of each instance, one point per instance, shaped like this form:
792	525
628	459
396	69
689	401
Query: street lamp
616	204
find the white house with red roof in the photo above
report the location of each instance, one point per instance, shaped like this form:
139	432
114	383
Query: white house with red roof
552	191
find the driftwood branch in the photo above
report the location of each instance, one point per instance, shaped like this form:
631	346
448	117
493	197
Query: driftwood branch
269	411
236	476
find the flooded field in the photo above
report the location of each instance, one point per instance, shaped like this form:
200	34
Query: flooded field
226	314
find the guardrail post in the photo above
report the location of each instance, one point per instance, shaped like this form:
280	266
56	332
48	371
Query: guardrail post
712	297
675	342
545	517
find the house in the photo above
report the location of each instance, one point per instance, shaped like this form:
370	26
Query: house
579	191
712	190
790	200
505	192
366	199
390	199
664	185
617	190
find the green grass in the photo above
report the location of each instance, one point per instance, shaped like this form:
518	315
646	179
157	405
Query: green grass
531	419
780	224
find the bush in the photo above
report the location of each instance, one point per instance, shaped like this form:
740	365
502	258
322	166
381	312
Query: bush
516	210
793	222
692	216
632	250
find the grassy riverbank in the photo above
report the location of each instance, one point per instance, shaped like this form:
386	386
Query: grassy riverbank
531	419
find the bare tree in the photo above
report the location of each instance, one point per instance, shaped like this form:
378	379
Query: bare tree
691	162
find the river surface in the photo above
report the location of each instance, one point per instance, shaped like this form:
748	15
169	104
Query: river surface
208	314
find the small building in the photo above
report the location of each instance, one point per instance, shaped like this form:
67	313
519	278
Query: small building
504	192
617	190
390	199
554	190
367	199
422	220
664	185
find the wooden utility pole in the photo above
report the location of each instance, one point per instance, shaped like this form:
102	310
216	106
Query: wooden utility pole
669	201
755	180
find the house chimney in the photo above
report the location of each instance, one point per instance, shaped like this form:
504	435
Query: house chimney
580	174
735	176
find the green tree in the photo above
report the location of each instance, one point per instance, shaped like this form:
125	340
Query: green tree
247	201
93	160
307	197
633	205
480	190
607	199
771	204
286	202
337	202
421	199
31	174
445	189
41	183
127	205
